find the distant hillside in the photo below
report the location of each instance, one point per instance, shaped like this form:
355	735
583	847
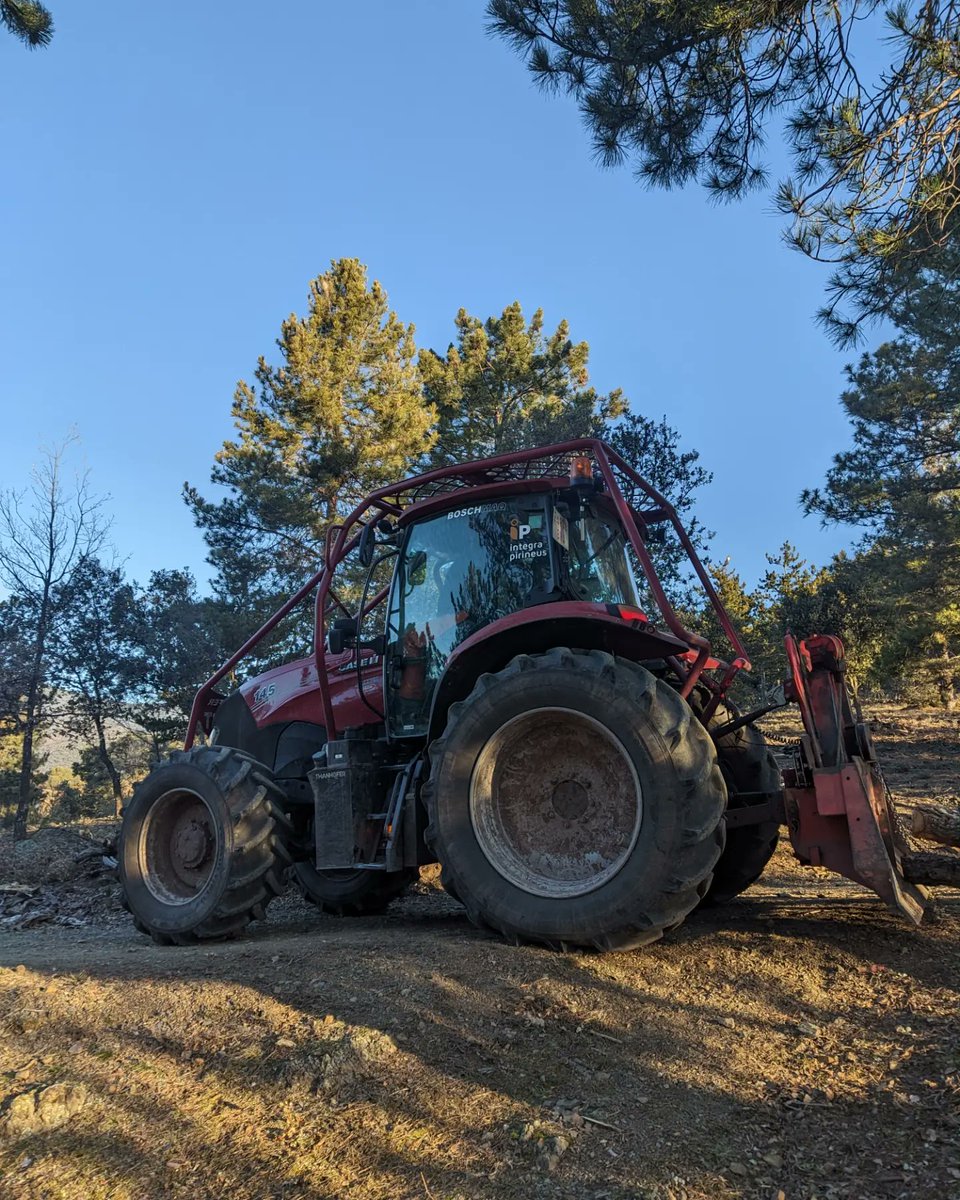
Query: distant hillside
64	749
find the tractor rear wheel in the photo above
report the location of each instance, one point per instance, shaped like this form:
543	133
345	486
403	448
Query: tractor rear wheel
748	767
202	849
575	800
351	893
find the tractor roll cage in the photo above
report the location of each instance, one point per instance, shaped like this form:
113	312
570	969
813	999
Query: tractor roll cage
551	464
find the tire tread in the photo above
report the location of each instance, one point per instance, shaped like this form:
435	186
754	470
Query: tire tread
702	791
259	856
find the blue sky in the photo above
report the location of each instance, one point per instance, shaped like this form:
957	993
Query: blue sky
177	174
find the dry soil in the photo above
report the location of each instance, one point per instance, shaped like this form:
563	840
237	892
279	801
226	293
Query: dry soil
799	1042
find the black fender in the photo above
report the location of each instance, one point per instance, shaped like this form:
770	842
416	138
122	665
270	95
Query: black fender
286	747
579	625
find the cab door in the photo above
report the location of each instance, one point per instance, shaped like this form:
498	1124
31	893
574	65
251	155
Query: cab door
458	572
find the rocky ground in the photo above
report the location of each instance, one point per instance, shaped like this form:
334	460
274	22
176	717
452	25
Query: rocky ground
800	1042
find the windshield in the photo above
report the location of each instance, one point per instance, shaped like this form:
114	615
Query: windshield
462	570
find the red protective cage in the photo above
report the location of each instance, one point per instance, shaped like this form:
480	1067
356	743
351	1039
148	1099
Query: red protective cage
638	504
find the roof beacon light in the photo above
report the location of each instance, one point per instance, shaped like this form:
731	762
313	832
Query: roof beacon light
581	471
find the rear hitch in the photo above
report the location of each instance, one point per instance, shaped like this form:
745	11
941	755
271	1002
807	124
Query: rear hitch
839	811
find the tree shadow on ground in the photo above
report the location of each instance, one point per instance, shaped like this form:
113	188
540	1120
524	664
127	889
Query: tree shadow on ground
781	1043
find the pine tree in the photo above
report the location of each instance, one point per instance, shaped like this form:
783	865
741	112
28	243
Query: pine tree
901	479
653	449
16	658
93	661
179	639
900	482
506	384
792	596
341	414
30	22
689	91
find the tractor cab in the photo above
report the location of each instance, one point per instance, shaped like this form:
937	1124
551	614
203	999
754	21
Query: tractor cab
462	570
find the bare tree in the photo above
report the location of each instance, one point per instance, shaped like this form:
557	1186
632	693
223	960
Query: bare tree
46	530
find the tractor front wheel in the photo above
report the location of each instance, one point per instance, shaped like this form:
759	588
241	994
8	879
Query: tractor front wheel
575	800
202	849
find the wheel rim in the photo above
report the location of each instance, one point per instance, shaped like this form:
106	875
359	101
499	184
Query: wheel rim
178	846
555	803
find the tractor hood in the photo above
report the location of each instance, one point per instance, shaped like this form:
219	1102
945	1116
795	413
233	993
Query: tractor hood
291	692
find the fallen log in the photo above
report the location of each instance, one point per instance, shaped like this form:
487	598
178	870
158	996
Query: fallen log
936	823
932	868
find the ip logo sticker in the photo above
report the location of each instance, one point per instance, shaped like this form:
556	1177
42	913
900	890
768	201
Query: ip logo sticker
526	537
521	530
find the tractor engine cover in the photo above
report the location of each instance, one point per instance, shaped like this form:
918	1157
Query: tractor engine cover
347	792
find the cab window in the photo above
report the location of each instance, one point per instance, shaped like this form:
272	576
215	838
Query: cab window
458	572
597	559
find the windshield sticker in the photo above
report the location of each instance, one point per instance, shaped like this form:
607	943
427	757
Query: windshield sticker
561	530
526	538
521	529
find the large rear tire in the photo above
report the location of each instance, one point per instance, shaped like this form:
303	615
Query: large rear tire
351	893
575	800
748	767
202	847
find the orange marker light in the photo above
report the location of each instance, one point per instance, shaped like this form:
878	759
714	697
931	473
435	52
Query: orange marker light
581	469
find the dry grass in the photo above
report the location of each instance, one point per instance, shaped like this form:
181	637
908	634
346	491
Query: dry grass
800	1040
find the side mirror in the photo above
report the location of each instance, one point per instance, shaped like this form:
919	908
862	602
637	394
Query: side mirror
368	541
342	635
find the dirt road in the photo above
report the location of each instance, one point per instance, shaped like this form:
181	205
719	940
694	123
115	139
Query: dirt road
800	1041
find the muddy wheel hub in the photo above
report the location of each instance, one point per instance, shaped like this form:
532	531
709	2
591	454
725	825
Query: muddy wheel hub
555	802
570	799
192	844
178	844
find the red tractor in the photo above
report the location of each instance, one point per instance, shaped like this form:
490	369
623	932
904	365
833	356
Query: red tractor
494	698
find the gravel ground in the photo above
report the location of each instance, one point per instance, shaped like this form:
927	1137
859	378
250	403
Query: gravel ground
800	1042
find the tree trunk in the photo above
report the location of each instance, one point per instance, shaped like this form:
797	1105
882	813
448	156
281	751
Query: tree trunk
30	721
936	823
933	869
26	776
109	767
947	692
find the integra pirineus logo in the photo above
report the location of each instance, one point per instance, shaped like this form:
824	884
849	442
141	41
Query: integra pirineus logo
521	530
526	538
